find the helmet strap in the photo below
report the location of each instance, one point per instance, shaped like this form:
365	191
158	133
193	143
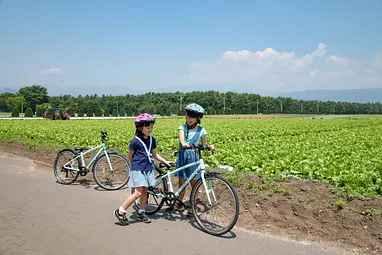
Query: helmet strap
190	127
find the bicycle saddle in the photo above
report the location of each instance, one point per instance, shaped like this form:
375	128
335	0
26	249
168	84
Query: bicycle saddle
80	149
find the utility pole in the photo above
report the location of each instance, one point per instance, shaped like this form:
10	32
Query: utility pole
318	108
22	106
224	105
180	105
281	105
257	106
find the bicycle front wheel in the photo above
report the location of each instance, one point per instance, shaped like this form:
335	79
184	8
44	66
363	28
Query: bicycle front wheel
219	216
113	175
63	167
155	199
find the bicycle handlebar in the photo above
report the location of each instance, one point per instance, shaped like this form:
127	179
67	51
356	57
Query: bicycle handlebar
199	146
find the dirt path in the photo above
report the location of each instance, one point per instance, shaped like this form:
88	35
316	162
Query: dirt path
39	216
302	211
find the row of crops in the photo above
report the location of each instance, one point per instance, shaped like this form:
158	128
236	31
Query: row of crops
344	152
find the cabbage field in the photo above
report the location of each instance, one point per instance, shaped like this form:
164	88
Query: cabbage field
345	152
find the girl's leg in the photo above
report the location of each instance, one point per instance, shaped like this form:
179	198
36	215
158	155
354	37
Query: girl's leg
143	198
193	182
181	182
121	212
142	205
130	200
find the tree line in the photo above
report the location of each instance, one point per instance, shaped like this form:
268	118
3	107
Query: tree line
216	103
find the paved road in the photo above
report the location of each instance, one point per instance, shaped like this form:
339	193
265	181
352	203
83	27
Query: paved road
39	216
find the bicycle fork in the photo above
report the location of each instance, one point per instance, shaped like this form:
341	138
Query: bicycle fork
208	191
108	161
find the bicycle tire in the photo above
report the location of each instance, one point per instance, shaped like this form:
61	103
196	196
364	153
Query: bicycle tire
103	157
76	173
194	204
162	200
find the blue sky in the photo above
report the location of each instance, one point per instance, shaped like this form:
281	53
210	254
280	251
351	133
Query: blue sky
119	47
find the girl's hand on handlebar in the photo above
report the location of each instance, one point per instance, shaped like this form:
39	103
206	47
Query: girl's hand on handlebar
211	148
168	163
186	145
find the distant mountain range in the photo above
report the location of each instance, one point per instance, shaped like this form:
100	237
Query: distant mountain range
7	90
373	95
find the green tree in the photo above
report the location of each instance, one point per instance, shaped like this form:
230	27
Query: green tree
98	112
34	95
115	113
89	113
122	112
71	112
28	112
106	112
16	101
15	112
41	109
4	107
80	112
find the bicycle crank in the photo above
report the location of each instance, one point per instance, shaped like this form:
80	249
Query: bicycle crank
83	171
170	199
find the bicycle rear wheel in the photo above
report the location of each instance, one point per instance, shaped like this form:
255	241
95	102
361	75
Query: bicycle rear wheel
221	216
154	200
62	174
111	179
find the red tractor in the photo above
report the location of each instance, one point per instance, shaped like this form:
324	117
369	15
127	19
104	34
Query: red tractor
59	116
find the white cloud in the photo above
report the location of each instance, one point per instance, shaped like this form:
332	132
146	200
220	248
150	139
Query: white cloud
51	70
281	71
313	74
373	79
337	60
375	71
340	74
370	71
378	62
267	59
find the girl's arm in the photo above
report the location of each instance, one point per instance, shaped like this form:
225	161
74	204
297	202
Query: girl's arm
181	139
130	155
159	158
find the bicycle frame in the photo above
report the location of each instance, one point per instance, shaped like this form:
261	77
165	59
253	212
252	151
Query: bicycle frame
200	168
101	147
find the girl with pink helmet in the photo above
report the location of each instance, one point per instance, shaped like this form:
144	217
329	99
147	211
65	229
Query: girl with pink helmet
141	155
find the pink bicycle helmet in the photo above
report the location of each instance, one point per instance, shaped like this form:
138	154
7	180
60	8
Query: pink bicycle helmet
144	118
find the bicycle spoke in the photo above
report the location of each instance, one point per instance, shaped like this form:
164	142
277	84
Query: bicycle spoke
65	158
219	217
106	177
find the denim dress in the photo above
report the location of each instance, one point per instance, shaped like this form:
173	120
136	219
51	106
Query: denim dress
187	156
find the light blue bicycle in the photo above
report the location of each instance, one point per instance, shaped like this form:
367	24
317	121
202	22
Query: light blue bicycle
110	170
214	200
